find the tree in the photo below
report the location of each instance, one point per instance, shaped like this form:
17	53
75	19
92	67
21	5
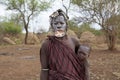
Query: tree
65	6
99	12
113	30
16	18
27	10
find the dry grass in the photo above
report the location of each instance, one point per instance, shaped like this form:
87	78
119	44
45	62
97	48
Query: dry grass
21	62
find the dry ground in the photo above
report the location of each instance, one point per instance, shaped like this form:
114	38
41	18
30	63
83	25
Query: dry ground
21	62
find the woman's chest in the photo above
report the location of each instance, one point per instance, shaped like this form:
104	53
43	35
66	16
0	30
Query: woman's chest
70	44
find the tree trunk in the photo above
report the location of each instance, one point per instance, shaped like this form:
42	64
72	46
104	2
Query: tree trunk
111	43
111	40
26	35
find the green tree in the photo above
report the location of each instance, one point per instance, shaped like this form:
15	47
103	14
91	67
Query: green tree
27	10
99	12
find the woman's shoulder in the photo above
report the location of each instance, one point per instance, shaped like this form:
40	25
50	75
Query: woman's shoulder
44	43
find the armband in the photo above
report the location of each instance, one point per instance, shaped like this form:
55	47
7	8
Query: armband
44	69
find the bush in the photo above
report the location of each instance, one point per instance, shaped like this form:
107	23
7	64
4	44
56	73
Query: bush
96	32
85	27
10	28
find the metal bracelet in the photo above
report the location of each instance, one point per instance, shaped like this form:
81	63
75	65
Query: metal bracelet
44	69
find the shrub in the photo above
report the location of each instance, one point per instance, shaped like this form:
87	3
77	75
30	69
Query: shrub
85	27
96	32
10	28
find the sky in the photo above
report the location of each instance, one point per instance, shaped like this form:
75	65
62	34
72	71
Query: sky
42	21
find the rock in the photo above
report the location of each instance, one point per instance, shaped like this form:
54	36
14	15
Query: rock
6	54
23	49
117	74
8	40
88	37
28	57
71	33
33	39
42	36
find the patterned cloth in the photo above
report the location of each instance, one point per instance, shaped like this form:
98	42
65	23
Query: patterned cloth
64	64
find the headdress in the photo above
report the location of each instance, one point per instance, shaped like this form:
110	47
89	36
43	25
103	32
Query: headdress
57	13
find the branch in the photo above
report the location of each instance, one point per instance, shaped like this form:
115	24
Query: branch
67	8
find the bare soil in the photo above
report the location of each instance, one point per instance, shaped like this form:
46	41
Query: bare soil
21	62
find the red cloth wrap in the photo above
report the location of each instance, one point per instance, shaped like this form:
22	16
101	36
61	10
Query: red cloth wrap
64	63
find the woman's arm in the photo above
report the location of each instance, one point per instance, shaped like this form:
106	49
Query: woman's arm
82	50
44	62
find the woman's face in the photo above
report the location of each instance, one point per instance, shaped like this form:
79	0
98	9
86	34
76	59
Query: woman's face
59	26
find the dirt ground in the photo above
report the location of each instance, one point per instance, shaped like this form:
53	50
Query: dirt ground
21	62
